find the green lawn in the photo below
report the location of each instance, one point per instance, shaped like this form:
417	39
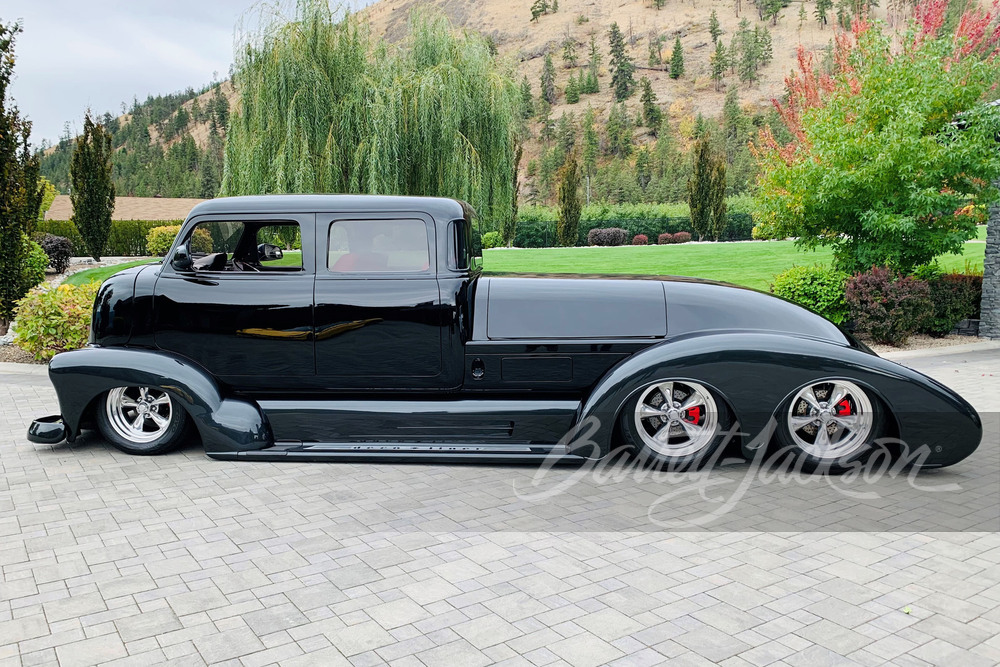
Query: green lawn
750	264
102	273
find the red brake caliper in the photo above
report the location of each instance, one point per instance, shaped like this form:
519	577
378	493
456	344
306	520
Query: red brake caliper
693	415
844	408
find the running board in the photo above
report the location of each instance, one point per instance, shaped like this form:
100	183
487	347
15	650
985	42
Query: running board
403	452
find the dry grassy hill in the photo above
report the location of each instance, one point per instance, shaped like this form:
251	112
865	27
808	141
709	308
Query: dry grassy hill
508	23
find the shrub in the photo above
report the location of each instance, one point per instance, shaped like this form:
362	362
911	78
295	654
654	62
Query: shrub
35	263
681	237
955	296
50	321
608	236
664	238
819	289
887	306
492	240
59	250
159	240
127	237
640	239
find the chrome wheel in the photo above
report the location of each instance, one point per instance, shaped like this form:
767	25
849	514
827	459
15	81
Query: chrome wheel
830	419
676	418
139	414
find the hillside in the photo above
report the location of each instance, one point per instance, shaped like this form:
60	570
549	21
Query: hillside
174	133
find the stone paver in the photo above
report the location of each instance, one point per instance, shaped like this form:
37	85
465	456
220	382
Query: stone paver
110	559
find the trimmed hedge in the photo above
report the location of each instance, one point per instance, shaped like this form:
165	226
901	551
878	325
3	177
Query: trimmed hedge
533	233
640	239
818	288
127	237
608	236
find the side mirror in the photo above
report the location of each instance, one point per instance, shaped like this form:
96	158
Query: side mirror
181	260
269	253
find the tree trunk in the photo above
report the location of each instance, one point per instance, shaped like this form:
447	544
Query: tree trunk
989	322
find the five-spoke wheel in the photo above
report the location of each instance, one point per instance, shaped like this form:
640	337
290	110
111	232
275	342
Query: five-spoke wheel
674	422
829	424
141	420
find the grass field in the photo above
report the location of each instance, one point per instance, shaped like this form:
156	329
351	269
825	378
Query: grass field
750	264
102	273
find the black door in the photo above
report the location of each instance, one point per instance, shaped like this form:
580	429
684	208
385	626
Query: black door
379	316
245	318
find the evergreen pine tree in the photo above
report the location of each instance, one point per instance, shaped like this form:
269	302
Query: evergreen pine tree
619	129
677	60
643	168
718	60
803	17
538	8
572	90
591	85
822	7
569	52
555	6
527	99
93	193
622	67
548	80
714	29
651	114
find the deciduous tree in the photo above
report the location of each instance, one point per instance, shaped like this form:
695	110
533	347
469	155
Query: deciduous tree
570	205
894	152
20	196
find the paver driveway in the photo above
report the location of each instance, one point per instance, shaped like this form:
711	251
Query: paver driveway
112	559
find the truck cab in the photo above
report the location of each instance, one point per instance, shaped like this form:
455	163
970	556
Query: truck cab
338	293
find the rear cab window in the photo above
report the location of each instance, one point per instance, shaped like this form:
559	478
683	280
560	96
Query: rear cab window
378	246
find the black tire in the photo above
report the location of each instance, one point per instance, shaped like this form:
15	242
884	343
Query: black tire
157	439
867	436
629	423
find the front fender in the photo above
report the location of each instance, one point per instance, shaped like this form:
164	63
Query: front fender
756	372
224	423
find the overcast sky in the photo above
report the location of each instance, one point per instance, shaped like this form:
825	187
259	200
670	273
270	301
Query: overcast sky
75	54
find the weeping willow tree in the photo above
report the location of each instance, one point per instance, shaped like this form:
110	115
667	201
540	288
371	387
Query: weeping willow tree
325	108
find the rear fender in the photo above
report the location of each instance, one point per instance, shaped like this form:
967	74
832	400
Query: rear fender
224	423
756	372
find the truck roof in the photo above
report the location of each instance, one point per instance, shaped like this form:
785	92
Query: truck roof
440	208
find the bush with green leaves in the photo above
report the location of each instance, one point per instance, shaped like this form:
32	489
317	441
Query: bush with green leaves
50	321
159	240
492	240
888	306
956	297
892	153
35	263
59	250
818	288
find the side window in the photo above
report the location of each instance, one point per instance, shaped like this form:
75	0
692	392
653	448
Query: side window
213	243
358	246
279	246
